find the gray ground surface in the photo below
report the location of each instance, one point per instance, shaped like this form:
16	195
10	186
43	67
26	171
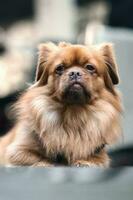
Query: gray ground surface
66	183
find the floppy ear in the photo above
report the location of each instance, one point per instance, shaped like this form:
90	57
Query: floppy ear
45	49
109	58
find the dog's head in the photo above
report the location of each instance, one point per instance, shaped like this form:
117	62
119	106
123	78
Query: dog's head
76	74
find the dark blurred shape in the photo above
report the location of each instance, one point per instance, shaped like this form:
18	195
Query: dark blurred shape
121	13
11	11
122	157
84	2
2	49
5	123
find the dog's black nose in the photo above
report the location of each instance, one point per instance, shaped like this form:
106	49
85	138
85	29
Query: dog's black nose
74	75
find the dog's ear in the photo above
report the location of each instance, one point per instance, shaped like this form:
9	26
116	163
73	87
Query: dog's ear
45	50
109	59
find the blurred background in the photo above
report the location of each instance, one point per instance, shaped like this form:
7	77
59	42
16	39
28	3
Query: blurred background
26	23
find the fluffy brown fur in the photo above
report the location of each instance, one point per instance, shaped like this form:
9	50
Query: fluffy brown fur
63	118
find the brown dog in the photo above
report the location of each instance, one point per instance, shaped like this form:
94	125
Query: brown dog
71	112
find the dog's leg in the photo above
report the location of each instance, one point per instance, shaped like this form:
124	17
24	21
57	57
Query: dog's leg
18	156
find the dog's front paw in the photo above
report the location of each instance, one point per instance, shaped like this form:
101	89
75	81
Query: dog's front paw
43	164
84	163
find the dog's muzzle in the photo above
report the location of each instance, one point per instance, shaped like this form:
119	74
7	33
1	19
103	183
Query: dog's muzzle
75	92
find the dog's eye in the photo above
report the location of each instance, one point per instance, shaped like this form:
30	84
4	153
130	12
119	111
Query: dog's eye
60	69
90	68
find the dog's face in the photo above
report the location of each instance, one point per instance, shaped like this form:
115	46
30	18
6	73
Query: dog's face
76	74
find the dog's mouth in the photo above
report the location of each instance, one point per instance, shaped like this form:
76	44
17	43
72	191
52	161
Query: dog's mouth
76	93
76	85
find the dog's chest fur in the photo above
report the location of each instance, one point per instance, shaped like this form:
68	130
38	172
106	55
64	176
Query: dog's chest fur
77	133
